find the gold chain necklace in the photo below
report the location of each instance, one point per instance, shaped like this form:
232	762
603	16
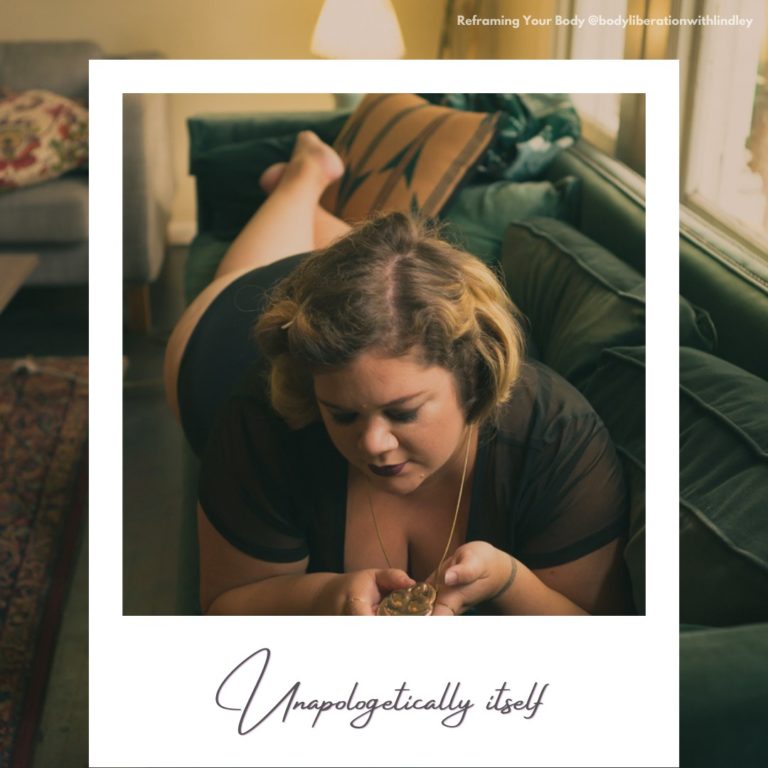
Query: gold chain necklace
419	599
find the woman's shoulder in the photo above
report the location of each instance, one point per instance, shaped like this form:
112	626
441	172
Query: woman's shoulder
543	403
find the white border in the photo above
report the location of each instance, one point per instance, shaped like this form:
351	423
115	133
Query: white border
613	695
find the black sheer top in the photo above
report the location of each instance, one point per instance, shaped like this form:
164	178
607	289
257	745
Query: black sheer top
548	485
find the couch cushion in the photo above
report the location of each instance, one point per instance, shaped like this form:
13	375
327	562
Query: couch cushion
581	299
479	214
723	480
402	153
617	392
42	136
53	212
724	696
723	492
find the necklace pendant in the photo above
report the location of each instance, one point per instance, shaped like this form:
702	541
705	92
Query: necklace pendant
417	600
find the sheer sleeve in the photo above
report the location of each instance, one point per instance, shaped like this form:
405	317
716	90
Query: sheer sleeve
247	487
574	499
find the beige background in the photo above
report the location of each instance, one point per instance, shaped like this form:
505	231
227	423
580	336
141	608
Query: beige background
253	29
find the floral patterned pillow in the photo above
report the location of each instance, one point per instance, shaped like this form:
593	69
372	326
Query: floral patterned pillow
42	136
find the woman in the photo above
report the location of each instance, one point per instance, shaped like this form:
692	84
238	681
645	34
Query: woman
400	456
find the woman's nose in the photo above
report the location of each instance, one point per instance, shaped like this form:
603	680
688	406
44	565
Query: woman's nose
377	437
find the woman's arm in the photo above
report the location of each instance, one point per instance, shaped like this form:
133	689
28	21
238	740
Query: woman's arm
233	583
478	572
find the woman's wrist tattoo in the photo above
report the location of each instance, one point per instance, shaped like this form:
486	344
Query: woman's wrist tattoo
508	583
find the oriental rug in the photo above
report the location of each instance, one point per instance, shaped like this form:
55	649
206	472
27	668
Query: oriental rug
43	491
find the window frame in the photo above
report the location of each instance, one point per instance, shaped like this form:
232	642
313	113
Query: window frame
704	219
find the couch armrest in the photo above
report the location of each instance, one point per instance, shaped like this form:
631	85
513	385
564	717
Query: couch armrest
148	184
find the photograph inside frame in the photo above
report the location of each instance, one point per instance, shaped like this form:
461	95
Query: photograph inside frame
545	191
397	366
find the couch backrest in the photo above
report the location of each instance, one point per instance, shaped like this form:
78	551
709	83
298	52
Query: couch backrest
58	66
716	274
713	277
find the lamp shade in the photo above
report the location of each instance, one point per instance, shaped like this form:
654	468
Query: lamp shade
357	29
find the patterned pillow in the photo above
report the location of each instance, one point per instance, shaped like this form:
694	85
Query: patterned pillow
42	136
402	153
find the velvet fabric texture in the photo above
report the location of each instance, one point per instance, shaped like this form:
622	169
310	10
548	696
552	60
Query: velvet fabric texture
581	299
228	172
723	492
617	392
723	480
723	696
480	213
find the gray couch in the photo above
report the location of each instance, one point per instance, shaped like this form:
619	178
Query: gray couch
50	220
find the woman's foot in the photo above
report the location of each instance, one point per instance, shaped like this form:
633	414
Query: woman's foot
310	148
271	177
310	155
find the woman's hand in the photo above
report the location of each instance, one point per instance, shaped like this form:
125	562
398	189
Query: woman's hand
359	593
475	572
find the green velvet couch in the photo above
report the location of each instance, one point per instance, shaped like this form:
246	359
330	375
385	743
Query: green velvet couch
571	248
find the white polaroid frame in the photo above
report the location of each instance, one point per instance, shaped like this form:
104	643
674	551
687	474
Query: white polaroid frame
611	695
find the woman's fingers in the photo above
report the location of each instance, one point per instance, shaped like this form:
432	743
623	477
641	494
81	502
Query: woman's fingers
357	606
443	608
391	579
463	568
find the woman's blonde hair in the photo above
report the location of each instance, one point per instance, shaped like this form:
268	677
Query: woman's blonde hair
391	285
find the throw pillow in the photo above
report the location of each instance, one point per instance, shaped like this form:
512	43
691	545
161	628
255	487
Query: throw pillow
581	299
723	492
42	136
479	214
402	153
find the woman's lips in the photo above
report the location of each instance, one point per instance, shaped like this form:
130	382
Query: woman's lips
389	470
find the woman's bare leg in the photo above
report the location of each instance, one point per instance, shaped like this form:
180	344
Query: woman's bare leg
290	221
327	226
284	225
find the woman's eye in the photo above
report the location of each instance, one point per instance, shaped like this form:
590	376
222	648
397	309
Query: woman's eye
343	418
403	416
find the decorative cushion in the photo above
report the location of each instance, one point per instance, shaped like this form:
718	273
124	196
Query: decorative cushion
402	153
581	299
42	136
479	214
723	492
617	392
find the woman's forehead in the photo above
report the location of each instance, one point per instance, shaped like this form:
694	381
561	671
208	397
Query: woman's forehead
382	379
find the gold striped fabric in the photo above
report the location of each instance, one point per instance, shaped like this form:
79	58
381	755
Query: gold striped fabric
402	153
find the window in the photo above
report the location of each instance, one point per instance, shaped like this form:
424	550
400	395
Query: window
725	171
724	103
599	111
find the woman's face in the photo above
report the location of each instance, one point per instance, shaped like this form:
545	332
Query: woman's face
395	419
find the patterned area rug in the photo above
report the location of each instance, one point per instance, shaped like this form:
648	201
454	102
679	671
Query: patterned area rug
43	488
